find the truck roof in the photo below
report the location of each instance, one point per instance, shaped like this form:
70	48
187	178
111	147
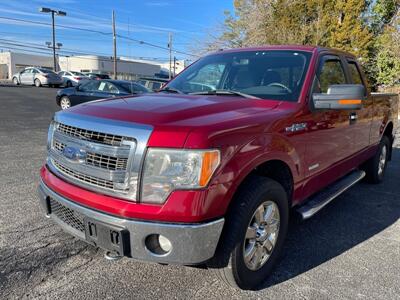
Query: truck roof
308	48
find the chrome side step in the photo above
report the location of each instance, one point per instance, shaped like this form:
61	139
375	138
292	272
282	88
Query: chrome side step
321	199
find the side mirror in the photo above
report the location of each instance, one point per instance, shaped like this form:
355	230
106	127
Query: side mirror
340	97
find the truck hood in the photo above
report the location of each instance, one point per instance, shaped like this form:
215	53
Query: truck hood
184	111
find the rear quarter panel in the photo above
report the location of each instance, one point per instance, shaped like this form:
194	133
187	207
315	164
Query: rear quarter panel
386	110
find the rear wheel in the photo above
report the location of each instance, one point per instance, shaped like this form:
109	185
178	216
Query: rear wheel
253	235
37	83
15	81
65	103
375	167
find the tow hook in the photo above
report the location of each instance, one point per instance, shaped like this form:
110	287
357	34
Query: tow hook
112	256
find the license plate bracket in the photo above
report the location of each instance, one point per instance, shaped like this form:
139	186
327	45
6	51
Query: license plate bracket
108	237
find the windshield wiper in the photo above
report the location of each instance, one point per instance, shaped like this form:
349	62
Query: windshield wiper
224	93
171	90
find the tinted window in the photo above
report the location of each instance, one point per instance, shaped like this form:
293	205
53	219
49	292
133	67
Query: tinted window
331	73
108	87
133	87
156	85
273	74
89	86
355	73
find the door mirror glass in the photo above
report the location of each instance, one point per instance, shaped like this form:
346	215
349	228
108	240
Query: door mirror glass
340	97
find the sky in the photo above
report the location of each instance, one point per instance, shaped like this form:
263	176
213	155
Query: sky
189	21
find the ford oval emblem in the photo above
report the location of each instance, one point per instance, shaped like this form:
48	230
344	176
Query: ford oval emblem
74	154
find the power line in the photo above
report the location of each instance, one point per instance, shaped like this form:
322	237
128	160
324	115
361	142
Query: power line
98	32
27	48
70	50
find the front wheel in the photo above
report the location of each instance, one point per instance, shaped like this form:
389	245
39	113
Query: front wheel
65	103
253	235
15	81
37	83
375	167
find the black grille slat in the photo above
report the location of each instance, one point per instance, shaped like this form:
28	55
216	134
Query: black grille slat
67	215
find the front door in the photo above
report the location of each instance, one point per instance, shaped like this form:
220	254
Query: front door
85	92
26	76
329	136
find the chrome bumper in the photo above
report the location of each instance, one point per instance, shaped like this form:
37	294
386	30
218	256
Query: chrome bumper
191	243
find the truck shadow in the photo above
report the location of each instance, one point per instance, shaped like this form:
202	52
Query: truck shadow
351	219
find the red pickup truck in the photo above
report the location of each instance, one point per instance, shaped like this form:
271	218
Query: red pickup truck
206	171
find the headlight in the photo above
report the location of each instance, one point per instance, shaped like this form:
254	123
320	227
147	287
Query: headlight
166	170
50	133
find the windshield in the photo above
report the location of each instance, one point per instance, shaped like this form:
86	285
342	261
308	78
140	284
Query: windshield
274	74
46	71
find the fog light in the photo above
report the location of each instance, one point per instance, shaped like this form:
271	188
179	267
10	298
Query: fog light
165	244
158	244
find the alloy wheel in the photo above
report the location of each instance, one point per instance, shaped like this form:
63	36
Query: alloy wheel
65	103
382	160
261	235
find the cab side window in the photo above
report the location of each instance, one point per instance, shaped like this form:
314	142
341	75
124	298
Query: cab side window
355	73
90	86
331	72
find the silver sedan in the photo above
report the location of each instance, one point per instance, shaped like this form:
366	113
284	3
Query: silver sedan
37	76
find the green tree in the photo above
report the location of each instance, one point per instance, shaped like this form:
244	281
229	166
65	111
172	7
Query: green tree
366	28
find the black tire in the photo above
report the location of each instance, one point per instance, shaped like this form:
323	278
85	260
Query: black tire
15	81
37	83
373	168
69	84
229	262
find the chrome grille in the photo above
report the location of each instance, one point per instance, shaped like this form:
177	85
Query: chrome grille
98	160
103	155
67	215
106	162
107	184
94	136
58	146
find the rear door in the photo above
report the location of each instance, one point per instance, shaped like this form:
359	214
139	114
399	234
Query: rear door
360	119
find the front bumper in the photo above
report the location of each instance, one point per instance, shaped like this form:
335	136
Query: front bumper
191	243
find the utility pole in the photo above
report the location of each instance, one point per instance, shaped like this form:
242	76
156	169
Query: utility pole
170	55
54	42
115	44
53	13
174	65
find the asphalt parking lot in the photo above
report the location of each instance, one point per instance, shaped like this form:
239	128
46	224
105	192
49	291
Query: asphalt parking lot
351	250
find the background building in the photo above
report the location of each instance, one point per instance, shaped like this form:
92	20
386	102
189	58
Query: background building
12	62
126	69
